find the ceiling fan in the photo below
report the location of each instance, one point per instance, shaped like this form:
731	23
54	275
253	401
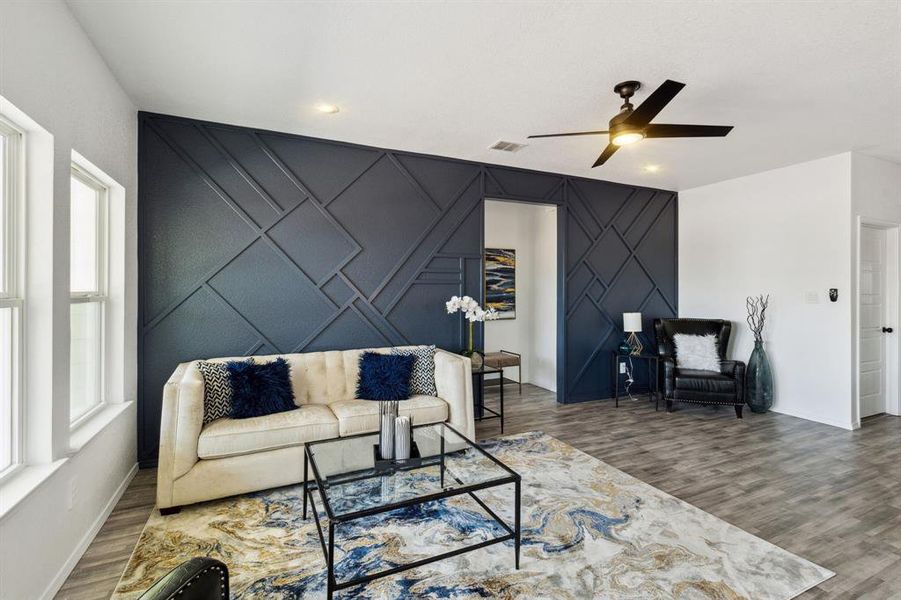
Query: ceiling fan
634	124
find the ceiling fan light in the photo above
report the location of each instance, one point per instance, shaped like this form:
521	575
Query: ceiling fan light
627	137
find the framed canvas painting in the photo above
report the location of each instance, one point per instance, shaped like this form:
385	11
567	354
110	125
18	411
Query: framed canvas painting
500	281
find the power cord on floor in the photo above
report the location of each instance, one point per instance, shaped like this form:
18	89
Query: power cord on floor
629	379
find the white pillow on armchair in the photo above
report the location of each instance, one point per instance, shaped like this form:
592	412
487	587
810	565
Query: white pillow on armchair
697	352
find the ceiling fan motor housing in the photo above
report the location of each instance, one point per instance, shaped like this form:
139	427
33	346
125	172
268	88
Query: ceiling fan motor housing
618	125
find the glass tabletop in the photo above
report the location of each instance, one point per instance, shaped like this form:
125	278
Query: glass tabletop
344	468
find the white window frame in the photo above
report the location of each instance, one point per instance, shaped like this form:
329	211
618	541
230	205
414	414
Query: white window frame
99	296
12	293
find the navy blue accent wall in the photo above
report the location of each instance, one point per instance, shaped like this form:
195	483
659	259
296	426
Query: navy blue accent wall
257	242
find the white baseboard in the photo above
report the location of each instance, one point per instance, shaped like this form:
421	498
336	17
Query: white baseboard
816	419
57	582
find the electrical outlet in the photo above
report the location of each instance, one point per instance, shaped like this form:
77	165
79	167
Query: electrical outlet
622	368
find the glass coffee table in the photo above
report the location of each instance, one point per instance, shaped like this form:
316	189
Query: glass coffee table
350	488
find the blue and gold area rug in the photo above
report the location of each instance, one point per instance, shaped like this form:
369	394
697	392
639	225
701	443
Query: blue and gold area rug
589	531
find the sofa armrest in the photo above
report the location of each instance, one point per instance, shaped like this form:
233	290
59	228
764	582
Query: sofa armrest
453	378
180	425
736	370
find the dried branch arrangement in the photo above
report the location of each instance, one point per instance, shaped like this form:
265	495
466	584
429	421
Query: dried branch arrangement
757	306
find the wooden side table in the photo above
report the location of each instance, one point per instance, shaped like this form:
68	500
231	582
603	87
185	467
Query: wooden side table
653	376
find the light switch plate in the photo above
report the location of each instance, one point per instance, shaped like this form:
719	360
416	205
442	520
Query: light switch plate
812	298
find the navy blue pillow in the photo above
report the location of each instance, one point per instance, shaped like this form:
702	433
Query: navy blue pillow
260	388
385	376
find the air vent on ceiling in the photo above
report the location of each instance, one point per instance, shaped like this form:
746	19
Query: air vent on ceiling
507	146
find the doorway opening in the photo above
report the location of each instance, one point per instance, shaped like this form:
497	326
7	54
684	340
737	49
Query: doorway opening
520	245
878	321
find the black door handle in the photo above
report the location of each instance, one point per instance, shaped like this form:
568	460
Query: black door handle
887	330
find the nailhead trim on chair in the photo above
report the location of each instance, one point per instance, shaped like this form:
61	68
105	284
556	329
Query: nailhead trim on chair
221	578
705	402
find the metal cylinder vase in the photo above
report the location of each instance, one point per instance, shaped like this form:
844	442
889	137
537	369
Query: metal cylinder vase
387	415
402	438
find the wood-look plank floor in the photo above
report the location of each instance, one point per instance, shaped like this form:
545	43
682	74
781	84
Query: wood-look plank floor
829	495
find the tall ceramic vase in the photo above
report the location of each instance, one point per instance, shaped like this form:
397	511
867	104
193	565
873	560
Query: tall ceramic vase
759	380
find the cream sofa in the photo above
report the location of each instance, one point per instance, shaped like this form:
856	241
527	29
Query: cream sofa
235	456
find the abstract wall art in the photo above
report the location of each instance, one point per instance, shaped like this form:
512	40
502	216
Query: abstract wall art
500	281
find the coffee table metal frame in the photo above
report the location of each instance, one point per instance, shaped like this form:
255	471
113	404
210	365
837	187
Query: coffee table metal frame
328	545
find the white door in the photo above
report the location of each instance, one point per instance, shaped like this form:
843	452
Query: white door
873	317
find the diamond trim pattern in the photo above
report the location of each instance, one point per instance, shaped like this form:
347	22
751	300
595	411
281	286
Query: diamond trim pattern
403	308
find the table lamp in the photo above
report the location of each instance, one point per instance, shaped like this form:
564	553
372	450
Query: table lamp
632	326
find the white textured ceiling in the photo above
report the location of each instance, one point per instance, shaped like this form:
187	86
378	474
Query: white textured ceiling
798	80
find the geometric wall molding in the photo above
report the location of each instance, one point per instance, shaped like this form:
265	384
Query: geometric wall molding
257	242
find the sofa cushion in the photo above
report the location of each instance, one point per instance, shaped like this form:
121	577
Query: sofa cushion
260	389
320	377
698	352
217	390
231	437
360	416
422	380
384	376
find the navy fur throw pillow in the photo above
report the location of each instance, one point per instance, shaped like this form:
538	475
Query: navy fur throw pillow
385	376
260	388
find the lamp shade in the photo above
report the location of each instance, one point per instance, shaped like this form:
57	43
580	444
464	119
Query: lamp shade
632	321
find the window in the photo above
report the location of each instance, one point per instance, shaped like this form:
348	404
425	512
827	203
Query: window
88	285
11	296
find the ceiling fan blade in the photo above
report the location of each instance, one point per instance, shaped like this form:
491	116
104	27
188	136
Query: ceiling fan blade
607	153
568	134
675	131
654	103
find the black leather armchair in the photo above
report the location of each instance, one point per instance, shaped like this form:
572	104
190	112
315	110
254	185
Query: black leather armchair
200	578
693	386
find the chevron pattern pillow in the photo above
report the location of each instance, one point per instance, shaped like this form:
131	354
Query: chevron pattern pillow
217	390
422	380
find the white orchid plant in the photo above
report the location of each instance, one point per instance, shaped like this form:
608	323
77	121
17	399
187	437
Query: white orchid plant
472	312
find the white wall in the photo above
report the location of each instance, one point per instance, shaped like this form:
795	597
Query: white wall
51	71
543	354
785	232
875	198
531	230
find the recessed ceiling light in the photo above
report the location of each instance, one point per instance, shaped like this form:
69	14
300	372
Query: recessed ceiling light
652	168
328	109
